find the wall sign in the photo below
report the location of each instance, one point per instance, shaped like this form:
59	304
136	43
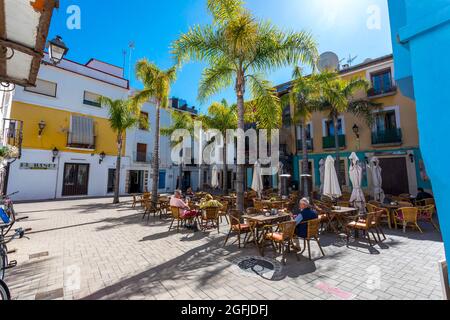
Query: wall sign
37	166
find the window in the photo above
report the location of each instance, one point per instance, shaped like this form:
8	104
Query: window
143	121
385	121
111	180
141	154
308	132
91	99
81	133
329	128
43	87
382	81
287	116
162	180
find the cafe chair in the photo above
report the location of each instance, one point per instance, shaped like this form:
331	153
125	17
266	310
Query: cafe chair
210	219
407	216
237	227
176	216
365	224
426	215
313	227
282	237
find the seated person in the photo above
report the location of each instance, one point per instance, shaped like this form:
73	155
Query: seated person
303	214
189	192
186	212
209	202
422	195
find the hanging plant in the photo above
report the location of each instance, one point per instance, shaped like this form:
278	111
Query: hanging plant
9	152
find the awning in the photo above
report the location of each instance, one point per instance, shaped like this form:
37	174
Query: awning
24	26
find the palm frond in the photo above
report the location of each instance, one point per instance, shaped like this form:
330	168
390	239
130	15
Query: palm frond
225	10
215	79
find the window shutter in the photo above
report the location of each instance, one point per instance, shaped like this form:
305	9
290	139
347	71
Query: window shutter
82	131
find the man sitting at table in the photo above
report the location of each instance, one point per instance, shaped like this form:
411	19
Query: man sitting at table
302	214
422	195
185	211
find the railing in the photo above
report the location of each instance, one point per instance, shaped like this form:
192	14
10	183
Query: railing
309	144
387	136
142	157
80	145
329	142
372	92
12	134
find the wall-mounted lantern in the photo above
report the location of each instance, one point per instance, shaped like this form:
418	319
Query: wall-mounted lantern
411	157
41	126
356	131
102	157
55	153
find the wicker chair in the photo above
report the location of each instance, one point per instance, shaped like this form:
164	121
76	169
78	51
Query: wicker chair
366	225
283	237
312	234
210	218
149	208
223	212
176	215
237	227
426	202
407	216
259	205
426	215
378	218
385	216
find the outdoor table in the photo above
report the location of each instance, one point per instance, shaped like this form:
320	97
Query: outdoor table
392	208
260	220
338	215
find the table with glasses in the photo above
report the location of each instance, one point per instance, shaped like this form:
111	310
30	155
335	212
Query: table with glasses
258	221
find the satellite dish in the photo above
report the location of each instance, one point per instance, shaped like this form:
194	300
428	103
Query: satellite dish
328	61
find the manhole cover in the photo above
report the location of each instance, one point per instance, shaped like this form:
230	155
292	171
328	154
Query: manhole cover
259	267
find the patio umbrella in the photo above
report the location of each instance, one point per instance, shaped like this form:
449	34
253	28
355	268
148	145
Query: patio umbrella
257	183
377	180
215	177
331	186
356	175
280	172
322	174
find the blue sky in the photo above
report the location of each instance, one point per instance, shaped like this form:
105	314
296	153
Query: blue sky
107	26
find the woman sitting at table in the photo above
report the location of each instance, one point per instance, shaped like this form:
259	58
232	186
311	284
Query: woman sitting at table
185	211
302	214
209	202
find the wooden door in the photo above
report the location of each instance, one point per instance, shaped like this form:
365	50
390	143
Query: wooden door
76	179
395	175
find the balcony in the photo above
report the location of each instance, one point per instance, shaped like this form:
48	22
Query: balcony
12	134
382	92
87	146
142	157
309	144
329	142
388	136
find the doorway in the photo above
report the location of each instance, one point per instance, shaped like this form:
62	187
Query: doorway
186	180
136	182
394	175
111	180
76	179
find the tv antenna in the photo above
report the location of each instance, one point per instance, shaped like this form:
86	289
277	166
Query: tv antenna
131	47
351	59
124	54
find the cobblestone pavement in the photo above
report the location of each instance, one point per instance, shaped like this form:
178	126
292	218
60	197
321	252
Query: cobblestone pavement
91	249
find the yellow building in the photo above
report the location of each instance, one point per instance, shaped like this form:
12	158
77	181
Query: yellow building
393	138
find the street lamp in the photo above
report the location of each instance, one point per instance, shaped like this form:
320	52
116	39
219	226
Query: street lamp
55	153
57	49
102	157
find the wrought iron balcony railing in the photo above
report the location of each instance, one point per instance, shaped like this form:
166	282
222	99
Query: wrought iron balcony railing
387	136
309	144
329	142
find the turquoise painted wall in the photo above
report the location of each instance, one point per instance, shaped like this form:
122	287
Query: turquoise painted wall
424	29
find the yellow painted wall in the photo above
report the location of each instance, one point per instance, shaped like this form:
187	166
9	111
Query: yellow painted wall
57	125
408	123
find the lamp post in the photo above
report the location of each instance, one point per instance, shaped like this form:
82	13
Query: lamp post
57	49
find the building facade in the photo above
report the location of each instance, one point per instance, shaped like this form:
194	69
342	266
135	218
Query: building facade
393	138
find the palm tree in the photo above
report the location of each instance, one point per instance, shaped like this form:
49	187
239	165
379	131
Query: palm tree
337	98
122	116
221	117
180	121
157	87
238	50
303	96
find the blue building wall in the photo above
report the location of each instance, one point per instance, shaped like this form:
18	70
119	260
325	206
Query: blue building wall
423	28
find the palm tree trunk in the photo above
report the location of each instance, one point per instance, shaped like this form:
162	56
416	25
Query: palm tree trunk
180	176
338	148
240	91
118	164
155	171
225	170
305	160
